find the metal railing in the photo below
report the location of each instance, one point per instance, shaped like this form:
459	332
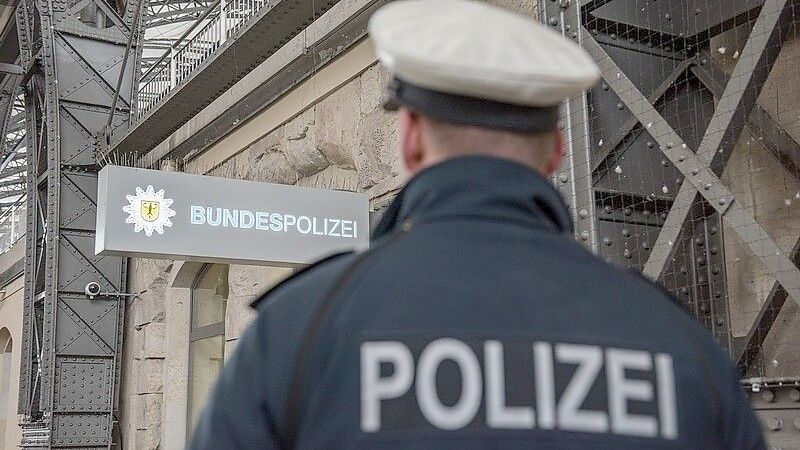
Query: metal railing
197	44
12	224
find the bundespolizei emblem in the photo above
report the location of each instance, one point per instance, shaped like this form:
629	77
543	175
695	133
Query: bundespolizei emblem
148	210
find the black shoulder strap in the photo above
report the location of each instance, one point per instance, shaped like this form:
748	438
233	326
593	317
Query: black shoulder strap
256	303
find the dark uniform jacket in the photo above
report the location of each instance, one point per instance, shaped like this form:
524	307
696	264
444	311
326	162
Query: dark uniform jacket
475	322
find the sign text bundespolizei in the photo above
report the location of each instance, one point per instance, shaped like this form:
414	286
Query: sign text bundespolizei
172	215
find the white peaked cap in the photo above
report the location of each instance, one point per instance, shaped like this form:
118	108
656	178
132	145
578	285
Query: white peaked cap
472	49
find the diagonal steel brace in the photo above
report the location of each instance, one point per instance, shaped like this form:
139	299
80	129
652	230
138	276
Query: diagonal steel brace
733	108
700	178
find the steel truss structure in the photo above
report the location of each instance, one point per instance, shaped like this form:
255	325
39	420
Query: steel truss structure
654	114
74	53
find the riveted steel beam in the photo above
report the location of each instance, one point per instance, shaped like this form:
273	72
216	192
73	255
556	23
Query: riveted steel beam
9	194
775	139
574	181
734	106
749	347
71	344
609	149
697	166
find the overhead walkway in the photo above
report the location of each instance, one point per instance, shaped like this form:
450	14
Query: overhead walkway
230	39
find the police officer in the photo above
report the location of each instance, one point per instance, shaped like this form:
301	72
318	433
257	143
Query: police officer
475	321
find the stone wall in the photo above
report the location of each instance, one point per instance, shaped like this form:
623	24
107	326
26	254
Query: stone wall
344	142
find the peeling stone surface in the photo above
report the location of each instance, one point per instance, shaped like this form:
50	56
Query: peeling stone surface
149	439
376	158
149	412
300	145
332	178
153	337
151	379
373	88
337	117
268	162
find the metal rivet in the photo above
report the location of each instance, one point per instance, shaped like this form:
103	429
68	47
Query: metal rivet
701	261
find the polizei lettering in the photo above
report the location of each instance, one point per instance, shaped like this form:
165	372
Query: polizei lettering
274	222
448	384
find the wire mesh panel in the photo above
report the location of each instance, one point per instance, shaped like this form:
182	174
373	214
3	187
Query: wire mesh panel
684	162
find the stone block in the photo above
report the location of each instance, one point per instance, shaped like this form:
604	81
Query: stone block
252	280
148	439
148	411
373	88
268	162
332	178
377	152
149	307
136	342
230	348
300	145
336	124
150	378
153	346
238	315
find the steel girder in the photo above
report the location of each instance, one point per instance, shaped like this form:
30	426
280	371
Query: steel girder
786	151
628	204
262	35
624	115
71	343
166	12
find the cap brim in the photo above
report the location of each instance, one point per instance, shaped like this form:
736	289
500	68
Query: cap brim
468	110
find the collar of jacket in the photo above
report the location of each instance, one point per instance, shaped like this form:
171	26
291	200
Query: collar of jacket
481	187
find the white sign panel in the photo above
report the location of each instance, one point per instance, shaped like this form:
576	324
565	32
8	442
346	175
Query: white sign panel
173	215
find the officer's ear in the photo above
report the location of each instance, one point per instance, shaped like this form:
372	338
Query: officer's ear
412	150
557	154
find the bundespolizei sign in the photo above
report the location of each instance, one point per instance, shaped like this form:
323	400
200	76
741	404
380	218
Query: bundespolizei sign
172	215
